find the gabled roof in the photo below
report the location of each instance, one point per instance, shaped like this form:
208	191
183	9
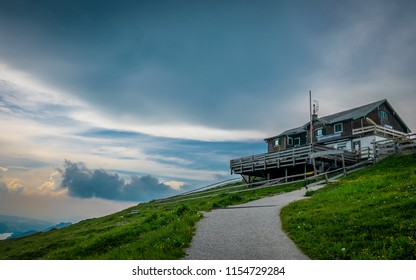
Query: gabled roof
351	114
297	130
358	112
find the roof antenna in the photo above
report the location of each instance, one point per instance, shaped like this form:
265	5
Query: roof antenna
311	119
315	107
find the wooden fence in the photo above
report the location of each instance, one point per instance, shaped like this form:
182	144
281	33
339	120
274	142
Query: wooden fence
378	130
289	157
396	145
244	187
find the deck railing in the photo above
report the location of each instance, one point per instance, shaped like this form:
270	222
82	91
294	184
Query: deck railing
378	130
270	160
289	157
395	145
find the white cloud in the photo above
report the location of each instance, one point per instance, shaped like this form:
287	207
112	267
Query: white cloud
176	185
52	186
29	92
33	135
35	181
171	130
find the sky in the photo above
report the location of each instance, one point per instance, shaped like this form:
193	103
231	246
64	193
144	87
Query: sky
106	104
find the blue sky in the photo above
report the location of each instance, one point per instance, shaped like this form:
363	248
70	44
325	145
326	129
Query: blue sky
167	92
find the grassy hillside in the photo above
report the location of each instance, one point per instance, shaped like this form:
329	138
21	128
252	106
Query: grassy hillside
368	215
371	214
146	231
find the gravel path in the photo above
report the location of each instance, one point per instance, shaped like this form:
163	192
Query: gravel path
250	231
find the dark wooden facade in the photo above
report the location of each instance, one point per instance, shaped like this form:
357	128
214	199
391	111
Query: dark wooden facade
350	132
289	139
339	126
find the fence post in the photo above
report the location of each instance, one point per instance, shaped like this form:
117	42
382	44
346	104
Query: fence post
305	171
343	166
286	174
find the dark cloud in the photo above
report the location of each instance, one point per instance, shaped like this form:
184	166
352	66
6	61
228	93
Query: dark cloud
134	56
210	63
86	183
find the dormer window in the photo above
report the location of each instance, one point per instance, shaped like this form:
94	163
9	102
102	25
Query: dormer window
338	128
319	132
276	142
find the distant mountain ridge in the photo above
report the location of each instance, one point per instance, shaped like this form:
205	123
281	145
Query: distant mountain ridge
58	226
20	226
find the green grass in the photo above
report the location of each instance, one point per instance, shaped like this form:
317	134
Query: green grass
368	215
371	214
147	231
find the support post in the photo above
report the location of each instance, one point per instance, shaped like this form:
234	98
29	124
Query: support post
343	166
286	174
246	178
305	170
293	157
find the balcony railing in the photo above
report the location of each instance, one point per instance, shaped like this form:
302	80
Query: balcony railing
379	130
289	157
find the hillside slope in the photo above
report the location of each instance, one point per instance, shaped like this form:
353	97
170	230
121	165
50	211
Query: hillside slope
147	231
368	215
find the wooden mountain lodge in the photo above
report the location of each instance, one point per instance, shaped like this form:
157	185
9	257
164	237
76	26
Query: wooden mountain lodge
324	143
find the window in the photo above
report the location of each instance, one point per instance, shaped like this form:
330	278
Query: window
356	145
342	146
383	115
289	141
319	132
338	127
276	142
297	141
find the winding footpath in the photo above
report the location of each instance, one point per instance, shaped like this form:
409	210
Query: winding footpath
250	231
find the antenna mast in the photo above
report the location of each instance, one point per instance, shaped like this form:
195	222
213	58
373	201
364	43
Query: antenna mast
310	115
315	109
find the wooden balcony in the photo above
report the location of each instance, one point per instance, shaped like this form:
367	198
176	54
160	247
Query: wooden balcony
378	130
302	155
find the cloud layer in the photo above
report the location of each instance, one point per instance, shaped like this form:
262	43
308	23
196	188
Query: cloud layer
86	183
193	70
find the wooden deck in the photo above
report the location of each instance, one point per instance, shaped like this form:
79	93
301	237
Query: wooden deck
262	164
